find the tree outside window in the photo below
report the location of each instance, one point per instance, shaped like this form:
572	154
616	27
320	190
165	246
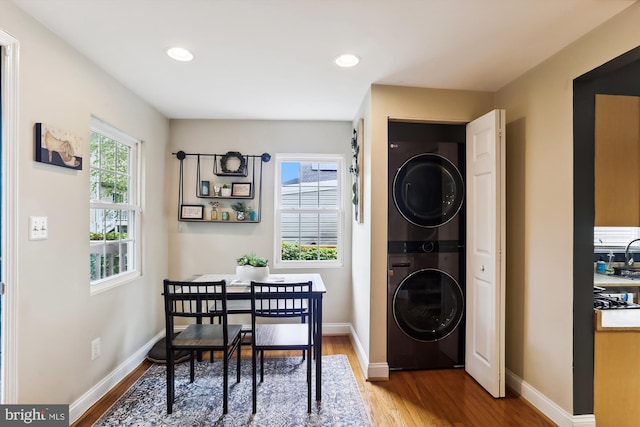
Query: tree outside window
114	206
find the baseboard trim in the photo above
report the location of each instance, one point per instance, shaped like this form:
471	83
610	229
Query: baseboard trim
80	406
371	371
336	329
545	405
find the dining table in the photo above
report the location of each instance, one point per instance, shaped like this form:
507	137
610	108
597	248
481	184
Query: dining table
239	291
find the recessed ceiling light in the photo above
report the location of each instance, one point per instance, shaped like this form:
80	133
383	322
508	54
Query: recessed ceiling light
180	54
347	60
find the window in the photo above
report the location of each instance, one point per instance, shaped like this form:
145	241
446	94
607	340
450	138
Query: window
114	207
614	237
309	213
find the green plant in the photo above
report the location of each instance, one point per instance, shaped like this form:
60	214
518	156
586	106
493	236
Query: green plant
240	207
111	235
252	260
293	252
226	186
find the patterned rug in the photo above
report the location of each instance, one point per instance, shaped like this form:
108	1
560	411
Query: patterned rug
282	397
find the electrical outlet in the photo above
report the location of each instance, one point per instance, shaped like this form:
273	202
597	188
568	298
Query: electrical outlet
95	349
38	228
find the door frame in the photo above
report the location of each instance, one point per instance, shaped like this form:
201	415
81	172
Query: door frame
9	49
615	77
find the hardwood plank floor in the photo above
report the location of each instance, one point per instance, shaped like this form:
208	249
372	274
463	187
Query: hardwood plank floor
436	398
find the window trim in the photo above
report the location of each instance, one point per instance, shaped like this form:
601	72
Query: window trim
340	209
135	206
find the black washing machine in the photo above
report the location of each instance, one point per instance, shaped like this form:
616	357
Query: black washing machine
426	234
426	181
425	322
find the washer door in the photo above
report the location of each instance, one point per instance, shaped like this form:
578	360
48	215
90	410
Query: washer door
428	190
428	305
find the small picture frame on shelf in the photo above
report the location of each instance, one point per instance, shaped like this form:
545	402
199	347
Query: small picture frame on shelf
204	188
241	189
191	211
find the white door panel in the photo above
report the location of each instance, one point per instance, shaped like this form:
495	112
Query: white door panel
484	352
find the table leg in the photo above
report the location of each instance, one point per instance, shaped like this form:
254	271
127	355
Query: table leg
318	349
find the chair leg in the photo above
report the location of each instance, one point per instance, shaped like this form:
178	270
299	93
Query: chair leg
170	384
192	371
225	383
254	392
309	383
261	366
238	356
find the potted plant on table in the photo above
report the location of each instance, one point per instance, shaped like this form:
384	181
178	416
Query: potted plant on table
252	267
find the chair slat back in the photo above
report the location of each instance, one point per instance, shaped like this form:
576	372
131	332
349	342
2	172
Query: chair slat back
194	300
281	299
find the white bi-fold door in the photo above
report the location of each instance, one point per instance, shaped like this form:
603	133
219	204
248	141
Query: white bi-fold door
485	280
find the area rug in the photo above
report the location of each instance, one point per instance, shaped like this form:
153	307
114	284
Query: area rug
282	397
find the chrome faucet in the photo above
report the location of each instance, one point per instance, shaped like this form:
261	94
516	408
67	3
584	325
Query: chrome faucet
628	258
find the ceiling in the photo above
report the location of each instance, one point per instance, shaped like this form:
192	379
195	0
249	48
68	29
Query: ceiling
273	59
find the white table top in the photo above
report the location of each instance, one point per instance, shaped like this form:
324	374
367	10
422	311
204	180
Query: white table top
238	286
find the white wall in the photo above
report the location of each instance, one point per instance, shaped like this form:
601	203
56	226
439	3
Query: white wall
56	317
214	247
540	207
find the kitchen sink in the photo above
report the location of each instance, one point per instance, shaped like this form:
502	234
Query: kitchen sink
627	271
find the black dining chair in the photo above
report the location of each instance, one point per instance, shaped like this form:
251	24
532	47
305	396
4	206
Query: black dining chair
277	302
193	300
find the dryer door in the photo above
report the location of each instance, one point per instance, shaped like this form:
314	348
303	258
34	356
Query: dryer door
428	305
428	190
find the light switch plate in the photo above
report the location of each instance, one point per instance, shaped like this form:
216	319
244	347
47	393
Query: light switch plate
38	228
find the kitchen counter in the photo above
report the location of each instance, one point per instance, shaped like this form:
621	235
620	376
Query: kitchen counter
617	320
606	280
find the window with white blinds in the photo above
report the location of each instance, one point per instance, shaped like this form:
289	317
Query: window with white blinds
308	210
614	237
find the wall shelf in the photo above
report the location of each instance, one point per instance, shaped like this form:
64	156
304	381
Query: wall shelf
212	171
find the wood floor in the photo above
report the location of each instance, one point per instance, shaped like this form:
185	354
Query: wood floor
435	398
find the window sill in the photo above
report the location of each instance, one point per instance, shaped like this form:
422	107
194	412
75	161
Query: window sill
113	282
309	264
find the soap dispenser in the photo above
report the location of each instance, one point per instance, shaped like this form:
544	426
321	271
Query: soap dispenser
601	267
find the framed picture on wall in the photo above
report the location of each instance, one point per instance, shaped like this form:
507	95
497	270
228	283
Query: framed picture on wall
241	189
192	212
57	147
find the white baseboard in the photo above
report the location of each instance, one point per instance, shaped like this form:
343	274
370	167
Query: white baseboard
371	371
80	406
336	329
550	409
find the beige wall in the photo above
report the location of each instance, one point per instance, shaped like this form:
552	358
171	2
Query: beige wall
540	207
58	86
362	248
214	247
56	317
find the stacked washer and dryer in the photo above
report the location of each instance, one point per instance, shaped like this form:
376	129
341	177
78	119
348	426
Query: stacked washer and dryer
426	254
